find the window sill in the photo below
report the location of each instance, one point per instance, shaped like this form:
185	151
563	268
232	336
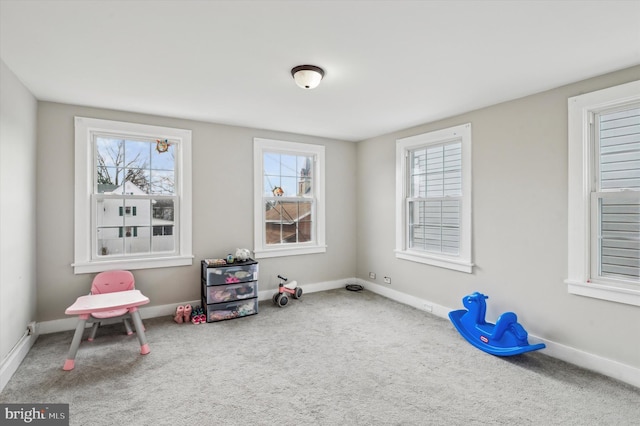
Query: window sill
439	261
293	251
612	293
131	264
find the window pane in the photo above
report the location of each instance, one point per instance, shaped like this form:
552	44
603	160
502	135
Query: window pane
619	144
137	212
110	242
134	226
137	239
162	182
418	172
434	226
288	222
136	181
109	179
619	239
436	171
136	163
110	212
305	173
163	239
289	173
144	167
109	161
163	157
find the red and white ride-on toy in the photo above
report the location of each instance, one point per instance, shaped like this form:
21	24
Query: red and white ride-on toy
284	288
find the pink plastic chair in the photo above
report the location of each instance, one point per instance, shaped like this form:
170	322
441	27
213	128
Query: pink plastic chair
110	282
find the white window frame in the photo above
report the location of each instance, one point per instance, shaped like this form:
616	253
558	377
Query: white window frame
317	245
84	261
581	184
463	261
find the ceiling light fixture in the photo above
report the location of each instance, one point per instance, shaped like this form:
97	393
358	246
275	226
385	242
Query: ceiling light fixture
307	76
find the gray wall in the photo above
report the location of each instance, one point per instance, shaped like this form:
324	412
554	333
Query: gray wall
222	209
519	225
17	209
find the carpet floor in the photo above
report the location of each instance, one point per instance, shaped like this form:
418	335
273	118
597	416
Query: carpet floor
332	358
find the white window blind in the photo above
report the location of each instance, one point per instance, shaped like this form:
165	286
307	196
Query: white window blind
433	198
435	195
616	200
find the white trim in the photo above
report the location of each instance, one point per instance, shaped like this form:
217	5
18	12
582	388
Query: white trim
613	293
318	245
462	262
441	261
580	181
130	264
310	288
617	370
286	251
14	358
83	231
69	323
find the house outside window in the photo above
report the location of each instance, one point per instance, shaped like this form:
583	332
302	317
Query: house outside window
131	179
433	198
288	198
604	194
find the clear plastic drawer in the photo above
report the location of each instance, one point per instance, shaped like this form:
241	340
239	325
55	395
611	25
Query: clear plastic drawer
230	310
231	292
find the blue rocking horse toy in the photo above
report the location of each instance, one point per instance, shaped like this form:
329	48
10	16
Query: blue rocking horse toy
504	338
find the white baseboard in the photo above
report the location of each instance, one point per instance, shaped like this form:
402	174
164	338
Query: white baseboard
66	324
614	369
622	372
310	288
12	361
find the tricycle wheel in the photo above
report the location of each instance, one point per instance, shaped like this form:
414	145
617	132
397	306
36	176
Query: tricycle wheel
298	293
275	298
282	300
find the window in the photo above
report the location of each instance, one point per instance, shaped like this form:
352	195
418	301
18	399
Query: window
433	198
288	198
132	197
604	194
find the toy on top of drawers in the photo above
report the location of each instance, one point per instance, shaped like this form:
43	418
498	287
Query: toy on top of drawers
238	272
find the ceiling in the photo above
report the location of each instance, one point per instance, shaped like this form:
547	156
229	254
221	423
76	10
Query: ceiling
389	65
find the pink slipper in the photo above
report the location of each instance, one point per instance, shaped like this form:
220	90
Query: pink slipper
179	317
196	319
187	313
203	318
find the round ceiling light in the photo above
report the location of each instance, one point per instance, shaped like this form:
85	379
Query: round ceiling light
307	76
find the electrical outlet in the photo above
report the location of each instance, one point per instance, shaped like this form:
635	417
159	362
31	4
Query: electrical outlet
372	275
387	280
